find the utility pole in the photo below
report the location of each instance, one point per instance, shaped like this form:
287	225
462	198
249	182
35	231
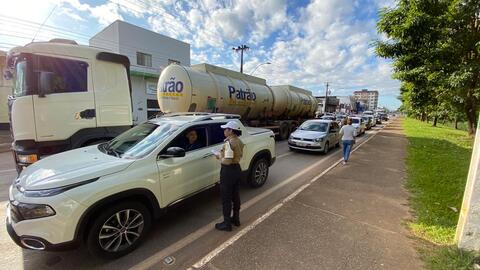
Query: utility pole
326	97
241	49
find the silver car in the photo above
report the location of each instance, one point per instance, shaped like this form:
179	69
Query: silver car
315	135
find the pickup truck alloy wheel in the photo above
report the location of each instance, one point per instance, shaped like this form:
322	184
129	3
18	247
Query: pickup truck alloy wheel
121	230
259	173
118	229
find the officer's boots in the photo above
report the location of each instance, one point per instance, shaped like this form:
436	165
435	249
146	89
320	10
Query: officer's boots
226	225
236	218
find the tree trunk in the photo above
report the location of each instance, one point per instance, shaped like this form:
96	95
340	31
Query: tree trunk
435	119
471	112
423	117
456	122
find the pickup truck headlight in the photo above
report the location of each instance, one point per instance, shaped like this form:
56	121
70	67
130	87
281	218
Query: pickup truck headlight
52	191
32	211
27	159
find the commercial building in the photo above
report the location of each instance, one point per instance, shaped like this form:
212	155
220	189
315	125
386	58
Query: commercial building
5	91
346	104
149	54
332	104
367	97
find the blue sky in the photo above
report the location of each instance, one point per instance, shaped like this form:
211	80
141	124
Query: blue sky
308	42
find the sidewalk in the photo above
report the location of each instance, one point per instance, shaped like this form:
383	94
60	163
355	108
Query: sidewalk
351	218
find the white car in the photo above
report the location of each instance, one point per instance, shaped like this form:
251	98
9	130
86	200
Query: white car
359	125
316	136
108	194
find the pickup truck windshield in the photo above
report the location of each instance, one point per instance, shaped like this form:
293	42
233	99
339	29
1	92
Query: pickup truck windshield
314	126
140	140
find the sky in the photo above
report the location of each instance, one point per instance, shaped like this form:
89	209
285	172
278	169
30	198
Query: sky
307	42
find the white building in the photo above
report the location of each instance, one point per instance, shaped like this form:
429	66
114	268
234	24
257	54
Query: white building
370	98
5	91
149	53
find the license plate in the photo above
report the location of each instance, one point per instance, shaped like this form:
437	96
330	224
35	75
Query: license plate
301	144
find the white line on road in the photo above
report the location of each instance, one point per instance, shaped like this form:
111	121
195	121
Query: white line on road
6	171
157	257
250	227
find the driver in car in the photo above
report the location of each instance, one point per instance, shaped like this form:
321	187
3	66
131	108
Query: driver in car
192	142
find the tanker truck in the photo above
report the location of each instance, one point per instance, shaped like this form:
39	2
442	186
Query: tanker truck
208	88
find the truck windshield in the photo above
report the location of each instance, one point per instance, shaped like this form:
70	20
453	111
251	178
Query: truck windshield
20	79
314	126
140	140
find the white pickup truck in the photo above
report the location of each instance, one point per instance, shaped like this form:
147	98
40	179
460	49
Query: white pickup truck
108	194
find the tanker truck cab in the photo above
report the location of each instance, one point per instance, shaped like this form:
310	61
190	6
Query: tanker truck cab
65	96
107	194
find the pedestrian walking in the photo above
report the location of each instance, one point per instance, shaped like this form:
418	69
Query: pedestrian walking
230	174
348	139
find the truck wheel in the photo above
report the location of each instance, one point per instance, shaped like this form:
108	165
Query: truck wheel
283	131
258	173
118	230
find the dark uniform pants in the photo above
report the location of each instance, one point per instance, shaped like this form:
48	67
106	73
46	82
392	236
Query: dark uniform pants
230	176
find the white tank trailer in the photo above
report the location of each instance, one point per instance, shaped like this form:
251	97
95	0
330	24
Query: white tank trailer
208	88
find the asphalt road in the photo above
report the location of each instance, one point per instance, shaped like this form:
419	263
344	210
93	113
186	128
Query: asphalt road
185	234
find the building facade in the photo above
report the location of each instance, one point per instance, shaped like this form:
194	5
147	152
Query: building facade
149	53
332	104
346	104
5	91
367	97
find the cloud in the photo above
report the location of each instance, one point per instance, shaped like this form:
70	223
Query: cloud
319	41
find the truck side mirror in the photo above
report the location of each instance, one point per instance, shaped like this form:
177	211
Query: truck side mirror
173	152
45	83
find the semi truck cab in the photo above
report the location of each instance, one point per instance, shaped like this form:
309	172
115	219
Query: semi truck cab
65	96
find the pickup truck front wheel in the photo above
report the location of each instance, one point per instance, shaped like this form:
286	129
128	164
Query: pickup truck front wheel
118	230
258	173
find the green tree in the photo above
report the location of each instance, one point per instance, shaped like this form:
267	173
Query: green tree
434	45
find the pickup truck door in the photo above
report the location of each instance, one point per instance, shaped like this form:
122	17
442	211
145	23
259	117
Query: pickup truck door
183	176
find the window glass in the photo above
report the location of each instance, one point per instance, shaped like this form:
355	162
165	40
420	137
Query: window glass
144	59
57	75
314	126
355	120
20	82
139	141
191	139
216	134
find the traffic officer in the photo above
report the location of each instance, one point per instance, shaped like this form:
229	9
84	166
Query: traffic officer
230	175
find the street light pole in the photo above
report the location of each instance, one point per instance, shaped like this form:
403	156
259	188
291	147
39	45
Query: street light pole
266	63
241	49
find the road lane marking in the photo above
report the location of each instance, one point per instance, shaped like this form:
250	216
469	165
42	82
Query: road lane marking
210	256
160	255
284	155
9	170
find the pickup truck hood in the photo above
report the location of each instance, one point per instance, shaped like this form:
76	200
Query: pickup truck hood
307	134
70	167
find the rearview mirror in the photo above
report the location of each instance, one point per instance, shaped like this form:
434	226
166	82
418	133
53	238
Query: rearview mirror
173	152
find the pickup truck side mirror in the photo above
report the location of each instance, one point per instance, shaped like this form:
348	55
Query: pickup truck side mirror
173	152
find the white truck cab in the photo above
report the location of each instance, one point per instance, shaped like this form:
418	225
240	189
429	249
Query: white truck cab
65	96
109	193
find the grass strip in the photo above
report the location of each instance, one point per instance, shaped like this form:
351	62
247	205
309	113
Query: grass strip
437	167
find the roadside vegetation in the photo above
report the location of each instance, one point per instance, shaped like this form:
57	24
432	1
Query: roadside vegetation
437	167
